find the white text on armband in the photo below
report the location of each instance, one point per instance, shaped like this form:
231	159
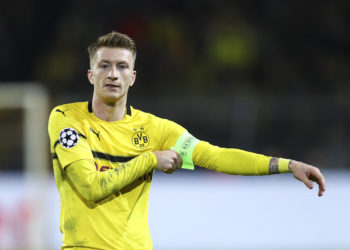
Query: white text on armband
185	145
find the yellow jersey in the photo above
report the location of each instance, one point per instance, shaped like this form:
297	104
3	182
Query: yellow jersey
119	221
110	215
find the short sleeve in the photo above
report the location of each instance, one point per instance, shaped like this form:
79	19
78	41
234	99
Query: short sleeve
68	140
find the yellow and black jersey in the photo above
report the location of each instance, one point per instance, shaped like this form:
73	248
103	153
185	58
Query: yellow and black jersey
118	221
117	218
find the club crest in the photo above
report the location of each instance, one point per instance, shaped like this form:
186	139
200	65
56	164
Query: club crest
140	139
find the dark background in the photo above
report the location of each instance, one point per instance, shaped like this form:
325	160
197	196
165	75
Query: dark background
268	76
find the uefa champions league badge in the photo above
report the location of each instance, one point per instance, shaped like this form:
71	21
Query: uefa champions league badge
69	138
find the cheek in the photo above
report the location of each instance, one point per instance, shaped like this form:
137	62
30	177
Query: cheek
97	78
131	78
125	77
131	82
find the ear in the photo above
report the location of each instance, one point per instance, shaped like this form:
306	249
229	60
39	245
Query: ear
90	76
133	78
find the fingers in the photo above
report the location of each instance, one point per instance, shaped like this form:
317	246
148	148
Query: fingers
320	191
168	161
175	162
319	178
315	176
308	183
321	186
178	160
309	174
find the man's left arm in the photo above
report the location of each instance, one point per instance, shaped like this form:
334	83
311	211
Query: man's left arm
240	162
230	160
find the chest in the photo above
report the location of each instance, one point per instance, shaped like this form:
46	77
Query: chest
123	140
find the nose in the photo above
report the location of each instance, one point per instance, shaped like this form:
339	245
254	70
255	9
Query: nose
113	73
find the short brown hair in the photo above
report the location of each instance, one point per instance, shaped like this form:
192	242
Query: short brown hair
113	40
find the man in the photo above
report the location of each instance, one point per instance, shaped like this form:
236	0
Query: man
104	154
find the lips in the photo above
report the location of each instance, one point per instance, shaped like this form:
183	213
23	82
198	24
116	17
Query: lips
112	86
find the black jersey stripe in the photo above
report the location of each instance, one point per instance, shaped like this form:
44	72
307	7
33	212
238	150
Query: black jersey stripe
90	107
104	156
54	156
56	143
128	109
111	158
81	135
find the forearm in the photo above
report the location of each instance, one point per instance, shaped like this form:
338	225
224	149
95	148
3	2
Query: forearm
94	185
234	161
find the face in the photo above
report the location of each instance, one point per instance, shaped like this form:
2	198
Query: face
112	73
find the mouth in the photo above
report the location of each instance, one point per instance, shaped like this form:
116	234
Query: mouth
112	86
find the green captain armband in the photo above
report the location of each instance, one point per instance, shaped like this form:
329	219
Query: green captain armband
184	146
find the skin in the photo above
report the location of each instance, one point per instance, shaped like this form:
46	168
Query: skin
302	172
308	174
112	74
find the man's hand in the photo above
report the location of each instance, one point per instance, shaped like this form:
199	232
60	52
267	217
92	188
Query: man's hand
168	161
308	174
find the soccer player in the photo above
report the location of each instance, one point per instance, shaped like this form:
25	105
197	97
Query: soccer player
104	153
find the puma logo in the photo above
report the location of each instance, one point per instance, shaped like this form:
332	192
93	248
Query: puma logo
60	111
96	133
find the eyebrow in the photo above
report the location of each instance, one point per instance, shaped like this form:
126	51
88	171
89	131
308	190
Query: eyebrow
106	61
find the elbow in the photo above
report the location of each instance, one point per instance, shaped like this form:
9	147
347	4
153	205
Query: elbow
95	187
95	194
87	193
89	196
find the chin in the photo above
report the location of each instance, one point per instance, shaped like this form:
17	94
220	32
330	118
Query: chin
110	100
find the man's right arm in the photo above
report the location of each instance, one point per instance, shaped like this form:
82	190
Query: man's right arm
78	162
94	185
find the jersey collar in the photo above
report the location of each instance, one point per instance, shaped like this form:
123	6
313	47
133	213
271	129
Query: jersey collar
128	109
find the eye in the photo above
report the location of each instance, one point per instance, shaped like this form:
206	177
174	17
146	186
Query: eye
105	66
122	66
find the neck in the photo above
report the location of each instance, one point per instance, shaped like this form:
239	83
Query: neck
109	112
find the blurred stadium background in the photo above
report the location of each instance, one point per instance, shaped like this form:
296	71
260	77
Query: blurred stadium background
269	76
